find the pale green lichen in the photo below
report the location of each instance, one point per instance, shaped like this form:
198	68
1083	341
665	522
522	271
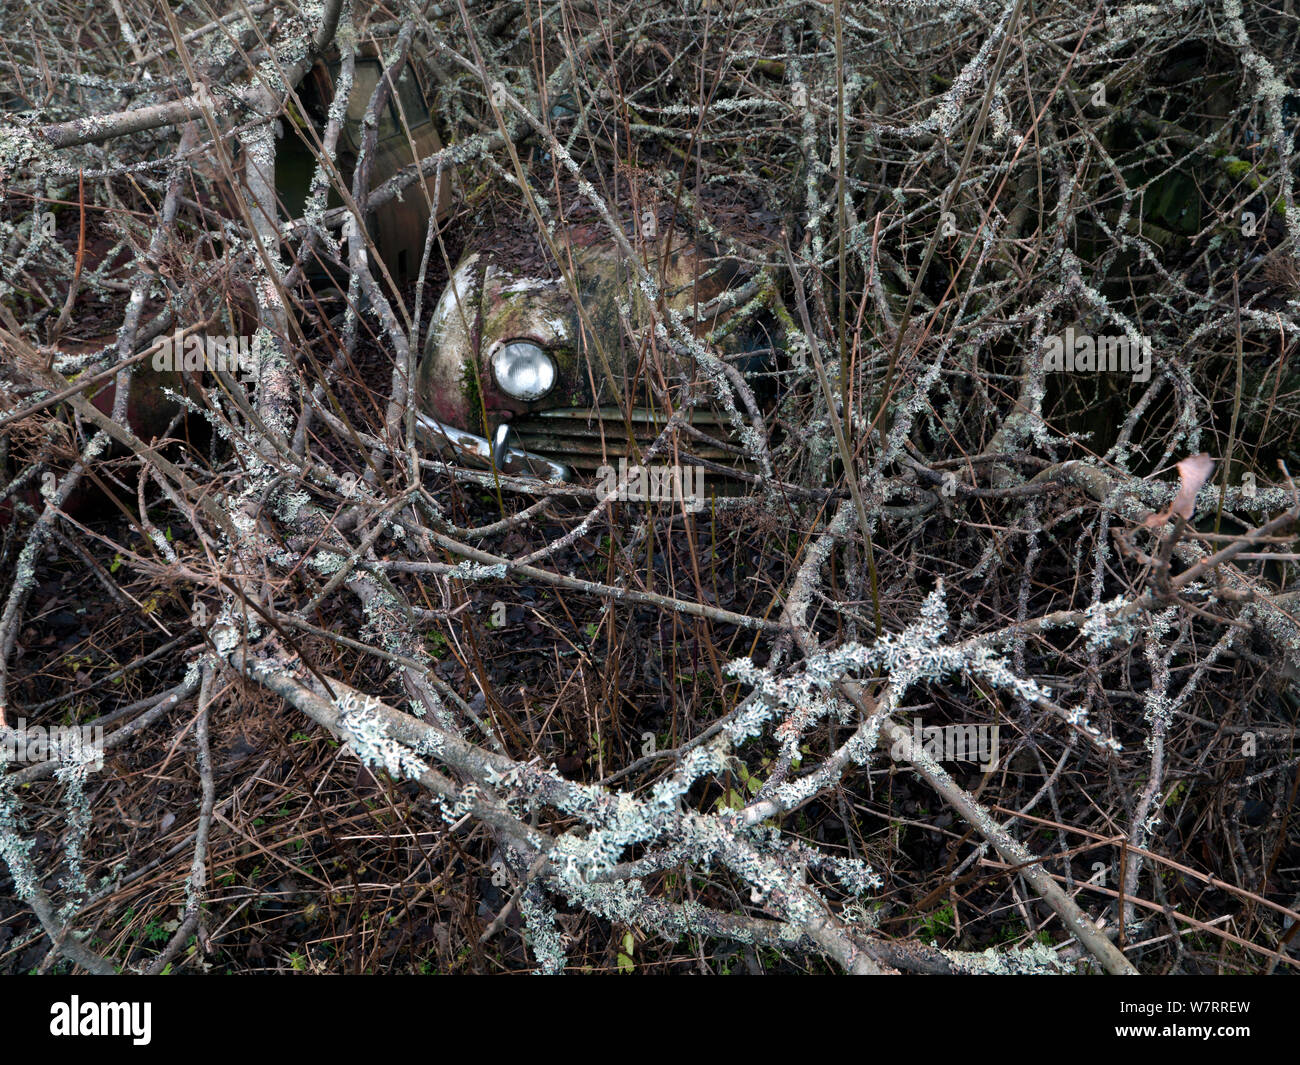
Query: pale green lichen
1037	959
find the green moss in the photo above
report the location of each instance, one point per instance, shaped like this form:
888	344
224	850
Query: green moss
469	388
498	320
1236	168
1242	170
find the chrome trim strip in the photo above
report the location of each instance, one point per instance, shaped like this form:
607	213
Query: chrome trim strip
614	414
500	444
514	462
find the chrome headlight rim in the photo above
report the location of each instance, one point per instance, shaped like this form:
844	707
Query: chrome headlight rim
523	369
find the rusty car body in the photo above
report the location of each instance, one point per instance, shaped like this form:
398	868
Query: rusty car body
520	376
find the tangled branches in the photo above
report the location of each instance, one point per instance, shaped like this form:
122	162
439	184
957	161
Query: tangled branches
1006	263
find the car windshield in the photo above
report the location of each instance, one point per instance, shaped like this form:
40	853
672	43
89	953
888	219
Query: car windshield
365	80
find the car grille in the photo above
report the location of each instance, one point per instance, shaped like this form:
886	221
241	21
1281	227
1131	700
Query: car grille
588	439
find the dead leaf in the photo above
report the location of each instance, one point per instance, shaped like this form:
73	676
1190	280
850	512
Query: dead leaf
1193	472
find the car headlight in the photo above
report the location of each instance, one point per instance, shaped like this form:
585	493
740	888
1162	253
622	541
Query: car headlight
523	370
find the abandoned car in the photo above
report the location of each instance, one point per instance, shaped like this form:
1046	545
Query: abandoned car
520	376
517	375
